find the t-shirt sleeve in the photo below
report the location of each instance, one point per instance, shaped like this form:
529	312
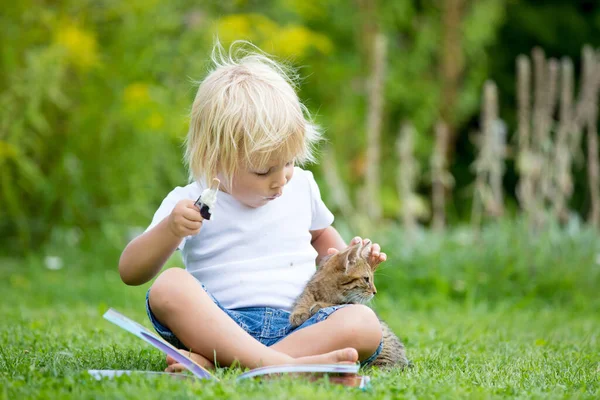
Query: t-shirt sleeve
165	208
321	216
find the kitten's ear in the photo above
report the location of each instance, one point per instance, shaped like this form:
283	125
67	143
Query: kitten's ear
324	261
351	256
365	252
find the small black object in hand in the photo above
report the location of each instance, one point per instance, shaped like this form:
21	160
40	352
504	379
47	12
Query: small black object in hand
204	211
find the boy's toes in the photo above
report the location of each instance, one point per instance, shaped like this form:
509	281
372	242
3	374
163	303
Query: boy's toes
176	367
170	360
197	358
346	355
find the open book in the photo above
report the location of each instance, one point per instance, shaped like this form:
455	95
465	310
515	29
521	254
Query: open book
339	373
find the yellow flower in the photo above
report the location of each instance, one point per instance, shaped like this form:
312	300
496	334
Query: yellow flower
286	41
136	93
234	27
80	44
155	121
296	40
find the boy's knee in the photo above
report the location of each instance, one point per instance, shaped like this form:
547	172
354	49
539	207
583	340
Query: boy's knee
361	315
362	322
164	289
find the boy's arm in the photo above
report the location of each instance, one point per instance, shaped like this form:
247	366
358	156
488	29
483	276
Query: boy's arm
325	239
145	255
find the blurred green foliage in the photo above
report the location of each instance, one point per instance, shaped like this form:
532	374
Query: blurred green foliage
94	95
504	262
93	112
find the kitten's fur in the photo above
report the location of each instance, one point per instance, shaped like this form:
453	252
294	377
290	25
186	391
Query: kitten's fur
347	278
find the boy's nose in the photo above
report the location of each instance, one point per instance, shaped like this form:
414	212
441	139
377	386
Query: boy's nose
280	179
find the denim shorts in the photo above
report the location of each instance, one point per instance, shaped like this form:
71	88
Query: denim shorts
265	324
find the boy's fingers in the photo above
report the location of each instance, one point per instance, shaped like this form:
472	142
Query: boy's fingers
355	240
191	225
332	250
192	214
381	258
191	205
188	203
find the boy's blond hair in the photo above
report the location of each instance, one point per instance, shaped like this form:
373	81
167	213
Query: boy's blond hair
245	114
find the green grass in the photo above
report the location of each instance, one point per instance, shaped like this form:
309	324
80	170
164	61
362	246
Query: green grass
513	333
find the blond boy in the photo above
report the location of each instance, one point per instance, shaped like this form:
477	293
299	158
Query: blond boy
245	266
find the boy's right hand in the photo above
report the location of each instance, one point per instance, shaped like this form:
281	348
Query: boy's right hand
185	219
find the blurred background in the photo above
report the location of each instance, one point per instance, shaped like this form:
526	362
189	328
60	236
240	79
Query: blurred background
473	118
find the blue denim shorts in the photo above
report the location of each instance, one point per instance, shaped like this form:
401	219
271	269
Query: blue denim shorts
265	324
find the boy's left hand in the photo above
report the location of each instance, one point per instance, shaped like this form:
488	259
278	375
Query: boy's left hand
375	258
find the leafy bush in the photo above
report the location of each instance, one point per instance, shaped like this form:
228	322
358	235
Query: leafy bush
93	111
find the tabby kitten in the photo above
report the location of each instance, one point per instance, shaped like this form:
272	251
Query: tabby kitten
347	278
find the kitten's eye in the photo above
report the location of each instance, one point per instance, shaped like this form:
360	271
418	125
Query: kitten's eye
366	278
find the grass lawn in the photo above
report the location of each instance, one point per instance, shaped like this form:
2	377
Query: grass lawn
52	332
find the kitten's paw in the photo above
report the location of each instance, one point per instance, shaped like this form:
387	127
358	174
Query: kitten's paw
316	307
298	318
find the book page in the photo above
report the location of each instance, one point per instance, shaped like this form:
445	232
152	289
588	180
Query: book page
157	342
296	368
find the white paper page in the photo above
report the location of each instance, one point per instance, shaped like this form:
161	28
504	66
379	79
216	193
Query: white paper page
140	331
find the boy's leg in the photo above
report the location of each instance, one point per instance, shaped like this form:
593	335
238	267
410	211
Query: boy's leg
354	326
179	302
328	336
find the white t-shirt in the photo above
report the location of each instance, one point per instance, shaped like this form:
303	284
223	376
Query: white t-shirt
254	257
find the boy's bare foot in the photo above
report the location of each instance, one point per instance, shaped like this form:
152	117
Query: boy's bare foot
348	355
174	366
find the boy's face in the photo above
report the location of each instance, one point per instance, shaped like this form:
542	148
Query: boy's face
255	188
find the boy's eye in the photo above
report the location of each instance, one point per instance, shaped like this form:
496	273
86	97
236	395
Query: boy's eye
267	172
